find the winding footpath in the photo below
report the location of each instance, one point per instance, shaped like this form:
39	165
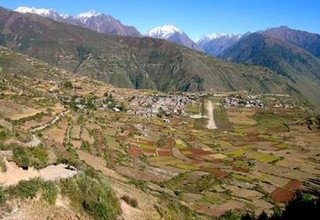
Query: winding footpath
57	118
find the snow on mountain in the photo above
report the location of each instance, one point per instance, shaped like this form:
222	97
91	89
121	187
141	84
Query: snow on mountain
50	13
172	34
92	20
89	14
164	32
215	44
216	36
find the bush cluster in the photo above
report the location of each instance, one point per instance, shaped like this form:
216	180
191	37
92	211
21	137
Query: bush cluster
30	157
91	192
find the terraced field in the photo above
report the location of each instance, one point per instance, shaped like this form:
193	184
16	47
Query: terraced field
251	159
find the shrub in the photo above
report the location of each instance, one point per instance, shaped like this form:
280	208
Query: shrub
69	157
30	157
229	215
50	192
85	146
2	83
3	133
141	184
68	85
2	196
3	167
39	157
26	189
91	192
21	157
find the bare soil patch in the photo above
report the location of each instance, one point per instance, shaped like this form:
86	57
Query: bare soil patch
28	125
218	210
142	175
14	174
55	134
87	137
57	172
14	111
75	132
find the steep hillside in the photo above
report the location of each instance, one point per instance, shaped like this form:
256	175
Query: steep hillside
303	39
289	60
128	61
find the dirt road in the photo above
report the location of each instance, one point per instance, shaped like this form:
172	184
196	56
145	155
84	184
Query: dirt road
211	122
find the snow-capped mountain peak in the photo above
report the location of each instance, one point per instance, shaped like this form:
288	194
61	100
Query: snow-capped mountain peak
39	11
214	36
93	20
164	31
66	16
172	34
215	44
89	14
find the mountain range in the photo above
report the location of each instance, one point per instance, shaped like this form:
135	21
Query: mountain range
291	53
124	57
94	21
129	61
106	24
216	44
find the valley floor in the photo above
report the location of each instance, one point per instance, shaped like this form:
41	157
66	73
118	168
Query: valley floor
154	155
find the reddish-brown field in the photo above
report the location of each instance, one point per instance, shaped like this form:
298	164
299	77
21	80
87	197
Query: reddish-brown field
282	195
216	172
164	152
293	185
134	152
240	169
196	153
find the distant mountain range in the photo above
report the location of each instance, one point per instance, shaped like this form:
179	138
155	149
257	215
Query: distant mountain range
108	25
92	20
216	44
124	57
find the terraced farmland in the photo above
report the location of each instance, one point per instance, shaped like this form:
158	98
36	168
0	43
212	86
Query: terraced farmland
159	163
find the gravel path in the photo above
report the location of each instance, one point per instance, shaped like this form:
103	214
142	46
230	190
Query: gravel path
52	122
211	122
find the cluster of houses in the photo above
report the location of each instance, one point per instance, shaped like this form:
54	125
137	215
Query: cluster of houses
258	101
240	101
159	105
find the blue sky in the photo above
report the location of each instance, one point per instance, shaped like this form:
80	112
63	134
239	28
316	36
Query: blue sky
195	17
